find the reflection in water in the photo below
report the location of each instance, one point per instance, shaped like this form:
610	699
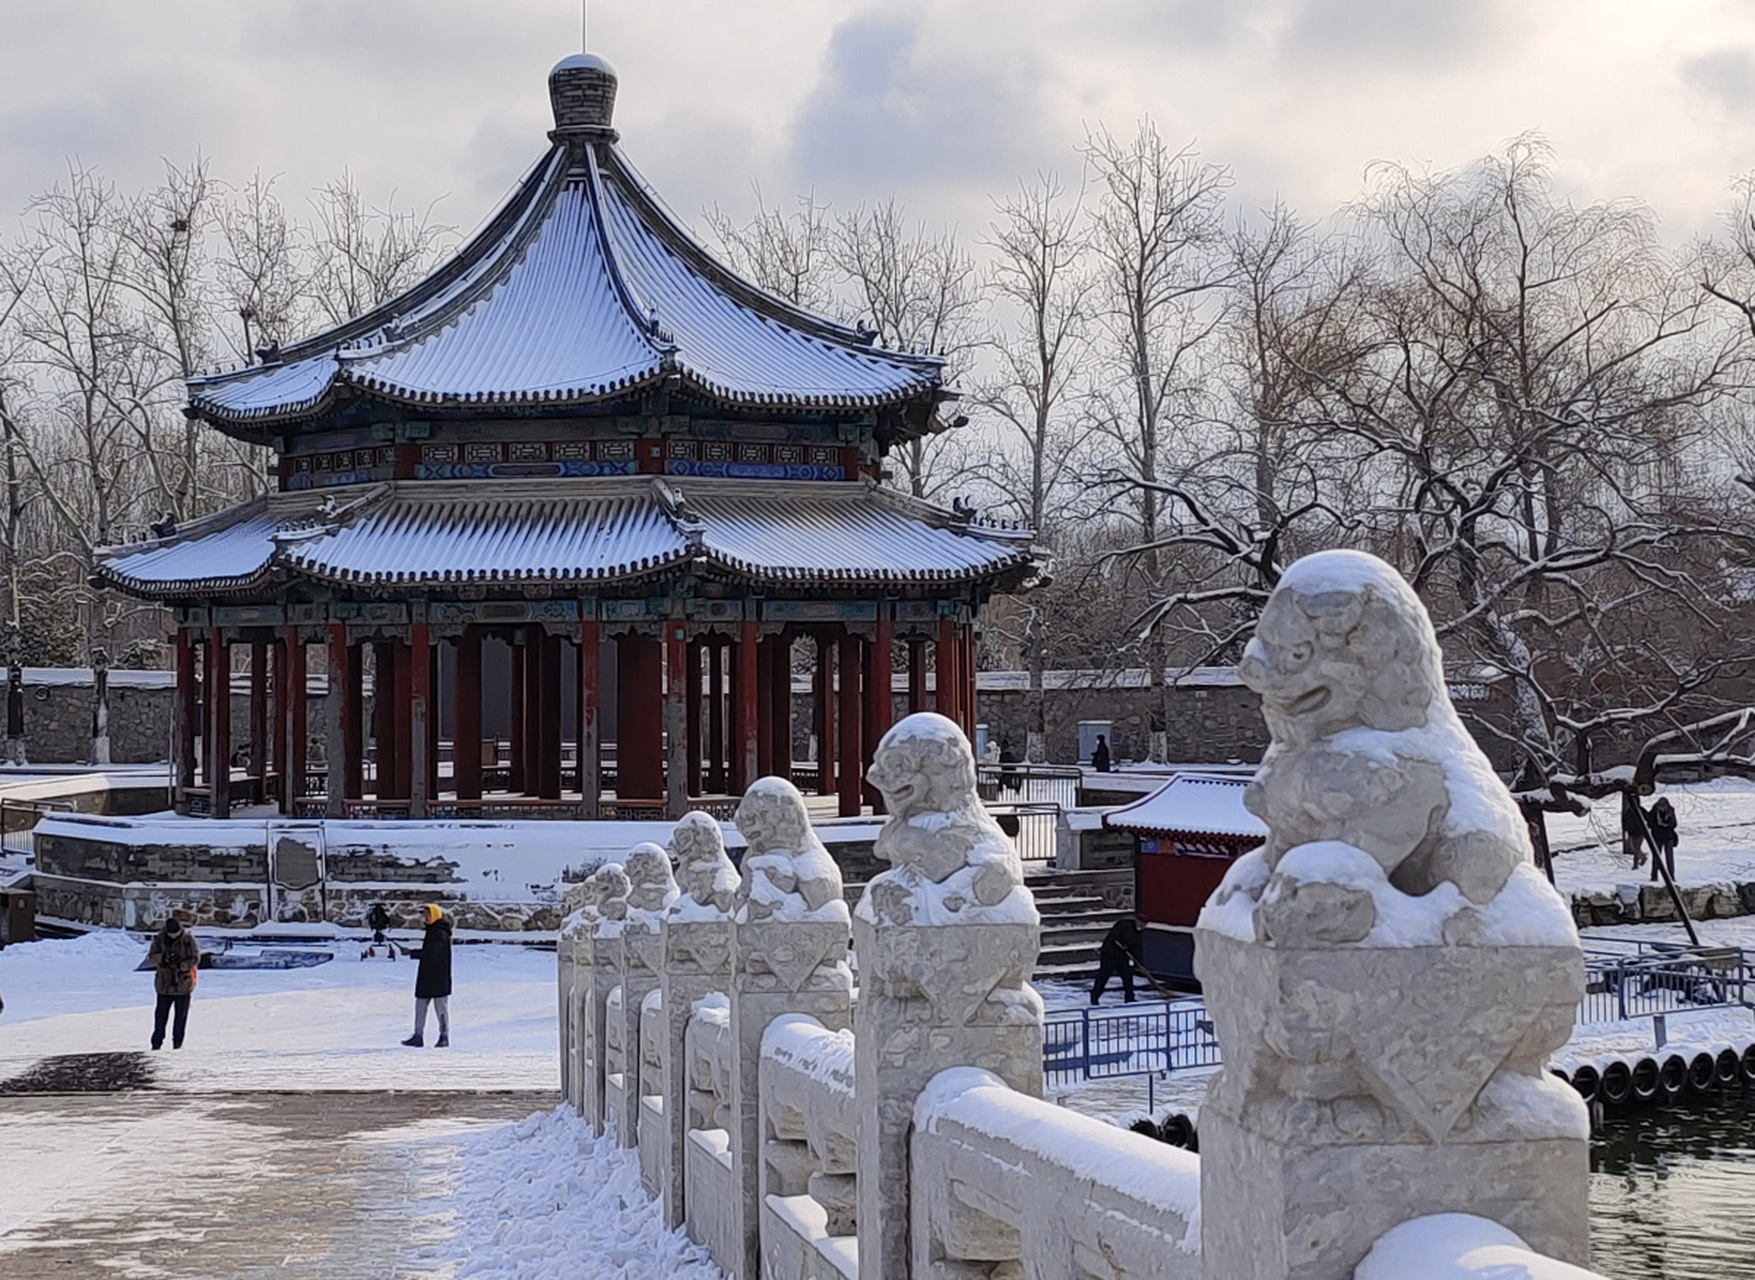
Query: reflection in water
1672	1193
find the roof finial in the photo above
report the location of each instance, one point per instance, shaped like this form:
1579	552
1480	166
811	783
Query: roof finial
582	89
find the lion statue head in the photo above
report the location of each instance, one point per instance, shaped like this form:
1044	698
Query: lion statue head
1342	643
703	869
652	887
924	764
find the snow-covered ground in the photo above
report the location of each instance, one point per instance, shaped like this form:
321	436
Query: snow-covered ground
1715	823
545	1199
331	1026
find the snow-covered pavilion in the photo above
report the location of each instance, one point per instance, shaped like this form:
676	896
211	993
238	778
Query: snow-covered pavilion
584	440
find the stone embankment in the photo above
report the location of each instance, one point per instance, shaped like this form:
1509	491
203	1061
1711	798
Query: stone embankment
1651	904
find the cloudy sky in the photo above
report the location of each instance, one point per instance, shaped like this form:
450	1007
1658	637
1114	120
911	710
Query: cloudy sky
941	102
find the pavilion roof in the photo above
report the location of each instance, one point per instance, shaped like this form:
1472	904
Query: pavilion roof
1192	804
438	533
582	289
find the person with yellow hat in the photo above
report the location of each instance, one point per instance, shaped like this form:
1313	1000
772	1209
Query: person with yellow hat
432	980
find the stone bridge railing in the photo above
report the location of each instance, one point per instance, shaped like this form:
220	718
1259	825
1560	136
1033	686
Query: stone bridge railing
800	1130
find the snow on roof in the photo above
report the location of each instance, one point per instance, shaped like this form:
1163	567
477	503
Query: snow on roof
1200	804
580	289
571	530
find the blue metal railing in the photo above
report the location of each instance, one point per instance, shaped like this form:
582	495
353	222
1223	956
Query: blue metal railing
1644	979
1150	1040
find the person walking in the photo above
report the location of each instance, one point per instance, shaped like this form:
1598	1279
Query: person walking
1100	755
1115	958
1660	821
432	980
173	957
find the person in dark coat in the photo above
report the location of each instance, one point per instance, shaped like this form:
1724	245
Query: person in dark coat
1660	821
1115	958
1634	830
173	957
1100	755
432	981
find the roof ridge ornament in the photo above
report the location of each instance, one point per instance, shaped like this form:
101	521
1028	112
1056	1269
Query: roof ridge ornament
581	89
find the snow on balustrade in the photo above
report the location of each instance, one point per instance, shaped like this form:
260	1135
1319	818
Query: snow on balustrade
709	1183
999	1176
810	1151
1460	1246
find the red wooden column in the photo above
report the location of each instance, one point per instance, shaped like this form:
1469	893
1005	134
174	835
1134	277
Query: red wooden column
356	721
780	707
677	675
748	737
434	700
546	713
422	714
293	754
878	702
336	735
946	682
692	712
275	743
185	717
968	672
219	712
402	719
590	709
384	734
848	698
639	760
825	717
716	753
259	716
518	700
916	675
466	733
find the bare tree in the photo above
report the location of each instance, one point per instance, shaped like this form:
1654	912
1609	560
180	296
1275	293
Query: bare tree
921	292
786	255
1538	412
1157	239
1039	278
257	269
364	256
1260	481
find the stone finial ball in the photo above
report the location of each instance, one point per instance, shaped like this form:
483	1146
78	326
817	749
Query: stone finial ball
697	837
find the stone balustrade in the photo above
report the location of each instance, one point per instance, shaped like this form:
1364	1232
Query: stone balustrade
801	1131
810	1151
1004	1178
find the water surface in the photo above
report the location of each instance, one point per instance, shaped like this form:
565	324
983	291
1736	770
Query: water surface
1672	1193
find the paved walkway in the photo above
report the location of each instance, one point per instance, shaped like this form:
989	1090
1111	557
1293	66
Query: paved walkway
234	1186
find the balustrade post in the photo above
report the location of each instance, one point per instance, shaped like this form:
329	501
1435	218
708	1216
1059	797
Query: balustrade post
946	941
789	955
605	977
651	892
697	962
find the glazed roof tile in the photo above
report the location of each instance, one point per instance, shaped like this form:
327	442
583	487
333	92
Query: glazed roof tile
1192	804
581	289
434	533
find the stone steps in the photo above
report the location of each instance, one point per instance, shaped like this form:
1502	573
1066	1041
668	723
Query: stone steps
1077	908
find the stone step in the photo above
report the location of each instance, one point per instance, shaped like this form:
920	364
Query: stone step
1069	905
1093	932
1059	972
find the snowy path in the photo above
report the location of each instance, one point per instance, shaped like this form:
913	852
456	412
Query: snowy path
1716	827
293	1135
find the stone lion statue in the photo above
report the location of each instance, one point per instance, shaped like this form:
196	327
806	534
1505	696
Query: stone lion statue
786	870
651	886
704	871
951	860
1367	749
613	902
588	894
